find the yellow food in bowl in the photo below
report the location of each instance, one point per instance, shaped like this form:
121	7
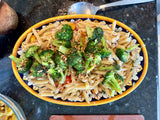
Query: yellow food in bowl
6	112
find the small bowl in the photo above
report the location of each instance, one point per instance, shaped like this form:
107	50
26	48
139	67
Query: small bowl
14	106
129	89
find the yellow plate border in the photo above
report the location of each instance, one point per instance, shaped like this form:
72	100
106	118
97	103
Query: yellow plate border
99	102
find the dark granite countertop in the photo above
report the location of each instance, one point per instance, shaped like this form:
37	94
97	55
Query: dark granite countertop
141	18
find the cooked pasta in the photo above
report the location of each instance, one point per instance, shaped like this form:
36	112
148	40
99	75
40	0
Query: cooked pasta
6	112
84	86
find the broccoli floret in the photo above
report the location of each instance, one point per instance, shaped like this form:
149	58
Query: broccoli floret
122	54
61	65
62	45
58	43
33	52
64	36
111	81
60	61
80	71
63	49
105	52
96	61
94	37
79	67
46	54
88	59
63	75
54	73
75	59
91	61
90	31
65	33
37	70
119	77
82	43
46	57
114	66
57	73
91	47
23	63
97	34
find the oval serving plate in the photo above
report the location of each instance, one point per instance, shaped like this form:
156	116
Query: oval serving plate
129	89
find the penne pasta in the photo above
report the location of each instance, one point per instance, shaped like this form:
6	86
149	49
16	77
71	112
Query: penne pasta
6	113
82	86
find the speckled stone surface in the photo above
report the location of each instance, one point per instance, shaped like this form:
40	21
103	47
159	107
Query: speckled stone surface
140	18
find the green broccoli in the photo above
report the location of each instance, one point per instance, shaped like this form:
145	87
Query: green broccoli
37	70
78	67
91	61
33	52
88	59
75	59
111	81
60	71
82	44
97	34
63	74
105	52
92	47
46	54
94	37
119	77
58	43
122	54
53	73
63	46
23	63
64	37
90	31
61	65
114	66
46	57
60	61
65	33
96	61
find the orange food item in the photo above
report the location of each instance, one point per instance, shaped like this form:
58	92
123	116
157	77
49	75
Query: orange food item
83	33
93	91
33	39
68	80
8	18
72	26
56	83
6	112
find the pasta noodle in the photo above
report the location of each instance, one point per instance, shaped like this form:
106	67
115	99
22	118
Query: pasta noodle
84	86
6	112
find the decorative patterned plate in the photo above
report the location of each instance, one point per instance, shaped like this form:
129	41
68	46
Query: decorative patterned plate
129	88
